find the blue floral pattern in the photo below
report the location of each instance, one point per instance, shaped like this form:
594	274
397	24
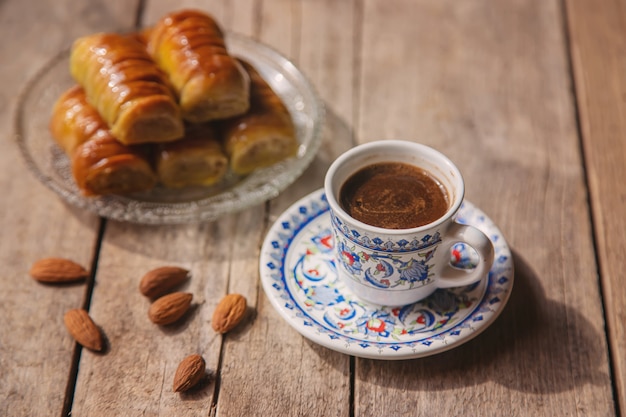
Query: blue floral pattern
299	275
378	269
356	236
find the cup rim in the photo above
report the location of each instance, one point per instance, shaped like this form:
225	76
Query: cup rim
382	144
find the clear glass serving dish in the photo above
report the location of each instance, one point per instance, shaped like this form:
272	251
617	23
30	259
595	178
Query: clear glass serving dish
167	206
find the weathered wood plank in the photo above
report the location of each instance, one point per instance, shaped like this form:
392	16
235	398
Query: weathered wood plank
143	357
271	368
225	260
35	349
136	374
597	33
488	84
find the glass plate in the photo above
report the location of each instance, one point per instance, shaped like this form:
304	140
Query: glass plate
164	206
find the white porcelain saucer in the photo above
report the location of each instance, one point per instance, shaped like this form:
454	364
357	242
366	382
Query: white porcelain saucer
298	273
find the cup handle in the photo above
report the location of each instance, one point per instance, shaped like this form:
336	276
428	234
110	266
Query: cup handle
456	277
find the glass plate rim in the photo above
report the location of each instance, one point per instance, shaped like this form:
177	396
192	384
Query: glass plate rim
197	211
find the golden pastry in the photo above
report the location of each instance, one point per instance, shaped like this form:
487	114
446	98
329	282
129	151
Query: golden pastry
127	88
100	163
104	165
197	159
73	121
264	135
189	46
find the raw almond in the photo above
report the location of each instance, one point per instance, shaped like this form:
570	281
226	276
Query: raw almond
57	270
83	329
189	372
161	281
229	313
170	308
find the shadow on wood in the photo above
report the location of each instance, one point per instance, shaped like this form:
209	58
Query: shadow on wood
553	339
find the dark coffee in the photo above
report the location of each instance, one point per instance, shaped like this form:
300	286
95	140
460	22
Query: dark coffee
394	195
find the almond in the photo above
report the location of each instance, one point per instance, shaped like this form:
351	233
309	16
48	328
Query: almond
189	372
57	270
229	313
161	281
170	308
83	329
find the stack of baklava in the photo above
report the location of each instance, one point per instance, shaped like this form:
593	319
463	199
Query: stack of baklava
166	106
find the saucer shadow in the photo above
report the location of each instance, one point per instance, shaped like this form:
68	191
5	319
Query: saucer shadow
517	351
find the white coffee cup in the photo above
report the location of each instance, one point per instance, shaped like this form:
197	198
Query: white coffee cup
395	267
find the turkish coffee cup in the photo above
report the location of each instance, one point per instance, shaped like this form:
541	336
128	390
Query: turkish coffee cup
393	205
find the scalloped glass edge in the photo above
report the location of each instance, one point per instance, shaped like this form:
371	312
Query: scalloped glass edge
308	113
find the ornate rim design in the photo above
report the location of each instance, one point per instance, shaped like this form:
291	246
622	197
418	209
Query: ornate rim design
385	244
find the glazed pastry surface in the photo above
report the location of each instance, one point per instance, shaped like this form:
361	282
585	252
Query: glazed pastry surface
100	163
198	159
167	105
189	46
104	166
264	135
73	121
126	87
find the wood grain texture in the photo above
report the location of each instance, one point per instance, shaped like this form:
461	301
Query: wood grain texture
135	375
488	84
35	349
276	369
242	380
269	368
598	49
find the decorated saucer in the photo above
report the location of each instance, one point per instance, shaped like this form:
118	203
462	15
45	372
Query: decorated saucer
298	272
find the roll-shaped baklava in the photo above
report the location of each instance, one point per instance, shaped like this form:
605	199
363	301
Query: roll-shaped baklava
189	46
104	166
73	120
264	135
127	88
197	159
100	163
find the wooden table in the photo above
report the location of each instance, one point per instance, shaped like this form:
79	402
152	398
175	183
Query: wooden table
526	96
